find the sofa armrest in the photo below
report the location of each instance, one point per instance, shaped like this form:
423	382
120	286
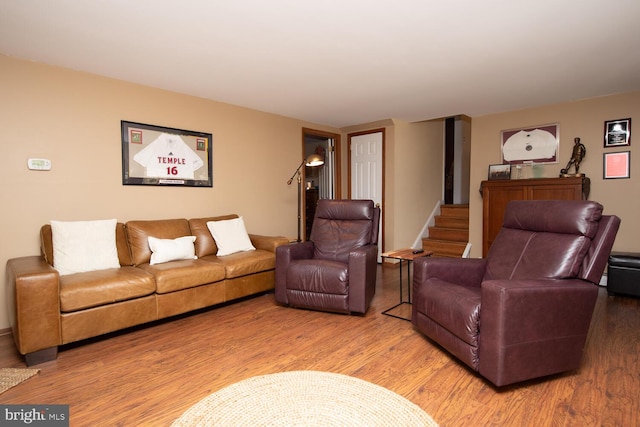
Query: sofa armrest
268	243
33	288
532	328
363	263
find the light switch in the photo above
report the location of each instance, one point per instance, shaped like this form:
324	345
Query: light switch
39	164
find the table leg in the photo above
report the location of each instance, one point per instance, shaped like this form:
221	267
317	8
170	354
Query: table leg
409	281
402	301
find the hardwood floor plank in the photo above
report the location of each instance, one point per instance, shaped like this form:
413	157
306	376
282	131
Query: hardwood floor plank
150	375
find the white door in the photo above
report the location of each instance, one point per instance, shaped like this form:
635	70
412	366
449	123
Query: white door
366	171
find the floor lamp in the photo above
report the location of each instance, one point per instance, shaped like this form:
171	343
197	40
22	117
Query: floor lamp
313	160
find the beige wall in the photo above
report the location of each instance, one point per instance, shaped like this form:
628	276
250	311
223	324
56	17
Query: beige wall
584	119
73	119
413	168
418	180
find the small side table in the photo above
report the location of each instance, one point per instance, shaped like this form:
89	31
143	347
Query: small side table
408	256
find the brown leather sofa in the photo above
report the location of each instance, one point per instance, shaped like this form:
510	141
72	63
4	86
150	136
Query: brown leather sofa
48	309
524	311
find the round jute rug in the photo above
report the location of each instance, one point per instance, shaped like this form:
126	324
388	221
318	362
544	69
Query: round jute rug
304	398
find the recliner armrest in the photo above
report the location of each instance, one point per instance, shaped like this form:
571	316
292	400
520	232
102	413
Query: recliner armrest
532	328
461	271
284	255
362	273
297	250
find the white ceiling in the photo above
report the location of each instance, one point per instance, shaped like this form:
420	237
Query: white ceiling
343	62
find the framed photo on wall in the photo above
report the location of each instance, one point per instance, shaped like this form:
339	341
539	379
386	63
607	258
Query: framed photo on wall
616	165
162	156
617	133
533	144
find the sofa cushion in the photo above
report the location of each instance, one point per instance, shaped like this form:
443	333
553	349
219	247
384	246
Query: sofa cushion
244	263
91	289
205	245
230	236
80	246
177	275
124	255
138	233
165	250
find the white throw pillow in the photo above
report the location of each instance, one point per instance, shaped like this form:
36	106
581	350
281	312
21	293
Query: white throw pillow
230	236
80	246
165	250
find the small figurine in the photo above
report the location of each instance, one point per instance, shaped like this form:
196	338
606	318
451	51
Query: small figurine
579	151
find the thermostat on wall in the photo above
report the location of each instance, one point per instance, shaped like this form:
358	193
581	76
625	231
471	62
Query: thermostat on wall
39	164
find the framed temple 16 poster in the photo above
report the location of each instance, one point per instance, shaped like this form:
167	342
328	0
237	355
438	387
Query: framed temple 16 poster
162	156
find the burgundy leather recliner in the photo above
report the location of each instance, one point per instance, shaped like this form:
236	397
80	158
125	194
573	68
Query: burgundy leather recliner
524	311
336	269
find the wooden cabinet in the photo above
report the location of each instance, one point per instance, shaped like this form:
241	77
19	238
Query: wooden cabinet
496	194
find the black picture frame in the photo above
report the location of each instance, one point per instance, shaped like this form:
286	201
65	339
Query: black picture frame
164	156
617	133
616	165
501	171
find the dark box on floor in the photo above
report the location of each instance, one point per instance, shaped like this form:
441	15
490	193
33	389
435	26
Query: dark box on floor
623	274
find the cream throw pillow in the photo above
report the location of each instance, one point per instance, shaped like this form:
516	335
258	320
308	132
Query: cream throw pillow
165	250
80	246
230	236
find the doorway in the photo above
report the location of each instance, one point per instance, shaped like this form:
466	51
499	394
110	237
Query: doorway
319	182
457	162
366	172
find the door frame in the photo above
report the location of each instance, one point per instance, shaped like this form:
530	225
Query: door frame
337	150
383	155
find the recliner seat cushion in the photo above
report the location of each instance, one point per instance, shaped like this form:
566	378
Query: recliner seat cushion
318	276
455	307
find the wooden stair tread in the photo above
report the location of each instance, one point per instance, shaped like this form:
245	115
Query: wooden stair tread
449	235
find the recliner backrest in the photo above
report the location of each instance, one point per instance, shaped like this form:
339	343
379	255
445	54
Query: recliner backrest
543	239
340	226
597	257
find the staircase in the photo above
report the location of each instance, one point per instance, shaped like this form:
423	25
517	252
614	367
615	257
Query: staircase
450	233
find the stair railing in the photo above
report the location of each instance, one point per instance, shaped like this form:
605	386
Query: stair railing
424	233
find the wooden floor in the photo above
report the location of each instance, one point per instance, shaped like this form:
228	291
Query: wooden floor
149	376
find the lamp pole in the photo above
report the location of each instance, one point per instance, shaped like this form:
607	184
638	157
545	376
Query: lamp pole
312	160
299	194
